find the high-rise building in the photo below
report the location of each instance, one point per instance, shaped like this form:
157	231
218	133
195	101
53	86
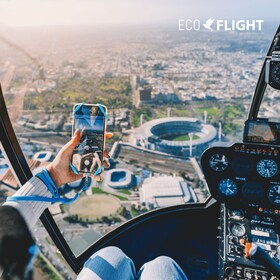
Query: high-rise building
144	95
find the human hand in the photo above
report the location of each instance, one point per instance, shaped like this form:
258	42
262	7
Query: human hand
60	170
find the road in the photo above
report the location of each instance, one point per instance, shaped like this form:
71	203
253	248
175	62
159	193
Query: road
50	252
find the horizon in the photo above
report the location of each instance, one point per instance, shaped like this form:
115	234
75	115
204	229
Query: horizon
16	13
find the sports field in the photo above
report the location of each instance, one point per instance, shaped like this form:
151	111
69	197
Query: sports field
184	137
95	206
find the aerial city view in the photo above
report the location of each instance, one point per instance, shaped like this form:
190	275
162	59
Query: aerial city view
169	95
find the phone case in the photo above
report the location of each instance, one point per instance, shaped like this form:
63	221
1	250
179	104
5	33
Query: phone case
88	154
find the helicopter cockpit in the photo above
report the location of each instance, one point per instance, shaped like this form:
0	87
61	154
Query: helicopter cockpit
244	178
234	234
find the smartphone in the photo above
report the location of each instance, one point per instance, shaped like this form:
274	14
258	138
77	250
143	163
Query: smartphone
91	121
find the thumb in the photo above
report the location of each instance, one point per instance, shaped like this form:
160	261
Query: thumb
75	139
70	146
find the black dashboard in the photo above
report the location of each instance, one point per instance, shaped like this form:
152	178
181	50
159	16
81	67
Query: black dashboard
245	179
244	174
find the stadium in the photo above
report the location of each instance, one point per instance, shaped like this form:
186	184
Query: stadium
179	136
119	178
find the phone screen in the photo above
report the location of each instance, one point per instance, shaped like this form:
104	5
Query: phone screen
88	154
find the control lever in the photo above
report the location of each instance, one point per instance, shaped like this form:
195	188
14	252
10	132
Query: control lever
264	259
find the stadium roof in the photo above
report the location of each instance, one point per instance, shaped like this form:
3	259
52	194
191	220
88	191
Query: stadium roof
127	180
206	132
165	191
83	241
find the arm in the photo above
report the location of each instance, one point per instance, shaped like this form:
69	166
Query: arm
31	210
18	217
60	173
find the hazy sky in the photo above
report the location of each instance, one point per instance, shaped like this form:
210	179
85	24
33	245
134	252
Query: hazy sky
69	12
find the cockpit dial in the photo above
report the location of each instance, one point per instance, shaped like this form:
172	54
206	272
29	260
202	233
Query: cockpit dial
252	191
227	188
267	168
274	195
237	229
218	162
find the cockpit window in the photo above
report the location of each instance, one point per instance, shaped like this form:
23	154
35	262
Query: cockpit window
4	190
169	97
269	109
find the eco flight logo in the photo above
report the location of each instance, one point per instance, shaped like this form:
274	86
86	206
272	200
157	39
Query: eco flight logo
208	24
212	24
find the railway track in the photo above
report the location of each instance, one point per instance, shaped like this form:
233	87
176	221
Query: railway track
156	163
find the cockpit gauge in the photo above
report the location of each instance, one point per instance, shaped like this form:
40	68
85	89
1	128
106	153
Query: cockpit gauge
242	166
274	195
252	191
237	229
267	168
236	214
218	162
227	188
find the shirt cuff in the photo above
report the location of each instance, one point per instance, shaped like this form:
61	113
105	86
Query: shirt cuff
31	210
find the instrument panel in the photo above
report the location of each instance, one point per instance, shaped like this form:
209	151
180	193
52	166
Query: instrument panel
244	174
245	179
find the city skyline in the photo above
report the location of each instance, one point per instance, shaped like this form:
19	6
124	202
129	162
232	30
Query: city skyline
47	12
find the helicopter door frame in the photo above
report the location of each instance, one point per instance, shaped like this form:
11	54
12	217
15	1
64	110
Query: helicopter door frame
261	84
17	163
